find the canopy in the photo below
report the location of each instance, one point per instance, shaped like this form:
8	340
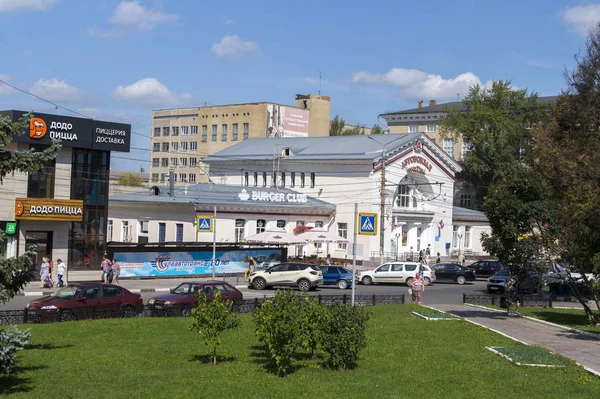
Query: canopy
320	235
279	237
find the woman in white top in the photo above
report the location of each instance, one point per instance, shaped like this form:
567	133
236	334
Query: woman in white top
44	269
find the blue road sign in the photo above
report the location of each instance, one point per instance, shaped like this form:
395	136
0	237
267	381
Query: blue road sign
367	224
204	224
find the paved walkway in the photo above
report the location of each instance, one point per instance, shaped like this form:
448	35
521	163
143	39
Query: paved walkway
583	349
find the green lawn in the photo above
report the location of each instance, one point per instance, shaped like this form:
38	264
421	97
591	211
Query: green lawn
159	358
574	318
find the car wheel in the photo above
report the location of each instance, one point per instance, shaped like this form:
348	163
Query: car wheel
67	315
259	283
129	311
342	284
304	285
367	280
427	281
408	280
186	312
461	280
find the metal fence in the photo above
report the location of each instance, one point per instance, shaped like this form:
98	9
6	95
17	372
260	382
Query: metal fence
28	316
535	301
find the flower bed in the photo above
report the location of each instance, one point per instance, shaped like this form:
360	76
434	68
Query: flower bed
530	356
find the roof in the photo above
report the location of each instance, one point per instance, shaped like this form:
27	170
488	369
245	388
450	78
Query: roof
217	194
468	215
445	107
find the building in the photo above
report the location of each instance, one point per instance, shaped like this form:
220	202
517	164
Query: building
63	208
182	138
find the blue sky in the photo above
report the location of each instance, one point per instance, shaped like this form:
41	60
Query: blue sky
118	60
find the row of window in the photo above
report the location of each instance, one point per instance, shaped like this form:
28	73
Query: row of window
165	162
415	117
448	147
271	179
175	146
181	177
415	128
174	131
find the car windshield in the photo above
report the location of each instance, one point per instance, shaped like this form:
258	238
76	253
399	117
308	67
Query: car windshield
66	292
503	272
182	289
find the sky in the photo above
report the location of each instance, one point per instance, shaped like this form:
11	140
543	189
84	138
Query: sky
119	60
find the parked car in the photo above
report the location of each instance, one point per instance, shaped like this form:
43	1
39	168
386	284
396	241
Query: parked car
396	272
562	271
185	295
336	275
529	285
485	268
302	275
453	272
73	300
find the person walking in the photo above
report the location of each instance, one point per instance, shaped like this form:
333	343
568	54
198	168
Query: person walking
116	270
328	261
105	269
439	259
44	271
427	254
417	286
61	272
421	256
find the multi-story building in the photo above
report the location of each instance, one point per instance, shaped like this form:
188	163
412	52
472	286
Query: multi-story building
63	208
182	138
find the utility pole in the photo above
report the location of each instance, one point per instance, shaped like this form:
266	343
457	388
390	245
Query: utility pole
214	254
382	207
354	252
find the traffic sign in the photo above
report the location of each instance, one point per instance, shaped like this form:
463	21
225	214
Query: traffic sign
367	224
204	224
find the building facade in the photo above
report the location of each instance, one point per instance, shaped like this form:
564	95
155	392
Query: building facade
63	208
182	138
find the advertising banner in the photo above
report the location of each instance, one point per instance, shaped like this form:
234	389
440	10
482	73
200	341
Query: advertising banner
285	121
190	263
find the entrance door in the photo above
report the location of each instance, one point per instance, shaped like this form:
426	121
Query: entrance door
43	241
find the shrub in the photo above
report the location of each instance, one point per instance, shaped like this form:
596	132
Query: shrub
212	318
313	316
11	340
344	335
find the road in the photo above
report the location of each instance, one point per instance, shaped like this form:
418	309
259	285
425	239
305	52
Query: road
449	293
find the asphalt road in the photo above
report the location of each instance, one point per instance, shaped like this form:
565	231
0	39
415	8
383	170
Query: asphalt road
439	293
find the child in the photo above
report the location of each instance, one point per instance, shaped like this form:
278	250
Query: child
61	272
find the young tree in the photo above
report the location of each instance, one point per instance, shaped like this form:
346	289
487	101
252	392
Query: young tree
376	129
130	179
212	318
336	126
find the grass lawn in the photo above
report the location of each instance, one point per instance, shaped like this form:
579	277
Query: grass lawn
574	318
159	358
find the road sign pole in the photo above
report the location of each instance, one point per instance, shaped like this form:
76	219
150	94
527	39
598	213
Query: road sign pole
354	252
214	229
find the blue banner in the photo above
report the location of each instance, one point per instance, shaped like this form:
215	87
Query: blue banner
161	264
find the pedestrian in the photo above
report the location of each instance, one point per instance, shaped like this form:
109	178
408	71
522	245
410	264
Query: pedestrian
61	272
421	256
427	254
44	268
439	258
105	269
116	270
328	261
417	286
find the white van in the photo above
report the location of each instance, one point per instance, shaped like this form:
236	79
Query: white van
396	272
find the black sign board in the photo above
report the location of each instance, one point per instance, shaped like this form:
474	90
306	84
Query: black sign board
73	132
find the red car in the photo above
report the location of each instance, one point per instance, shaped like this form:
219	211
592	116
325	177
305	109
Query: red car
185	296
76	301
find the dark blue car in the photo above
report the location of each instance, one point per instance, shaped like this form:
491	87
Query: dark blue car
336	275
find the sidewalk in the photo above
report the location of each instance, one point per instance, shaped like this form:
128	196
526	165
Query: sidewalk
580	348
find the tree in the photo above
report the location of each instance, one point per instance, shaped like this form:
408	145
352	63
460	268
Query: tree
376	129
212	318
336	126
353	131
130	179
567	154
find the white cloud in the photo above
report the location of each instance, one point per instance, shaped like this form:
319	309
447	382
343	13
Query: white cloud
133	14
22	5
418	85
149	92
582	18
94	113
57	90
233	47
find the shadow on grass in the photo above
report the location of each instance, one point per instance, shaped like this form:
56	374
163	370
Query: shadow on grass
207	359
12	383
259	356
47	346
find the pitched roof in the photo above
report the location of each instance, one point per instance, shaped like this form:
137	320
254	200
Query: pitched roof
467	215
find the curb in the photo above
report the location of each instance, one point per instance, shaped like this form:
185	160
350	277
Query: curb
133	290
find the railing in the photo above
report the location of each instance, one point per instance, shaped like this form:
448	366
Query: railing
453	257
536	301
27	316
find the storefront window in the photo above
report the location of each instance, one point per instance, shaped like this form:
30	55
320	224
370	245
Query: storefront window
240	225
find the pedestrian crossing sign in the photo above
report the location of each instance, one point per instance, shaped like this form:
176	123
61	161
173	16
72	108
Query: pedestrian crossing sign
204	224
367	224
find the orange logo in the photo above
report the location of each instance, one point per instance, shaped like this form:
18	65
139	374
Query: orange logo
19	208
37	128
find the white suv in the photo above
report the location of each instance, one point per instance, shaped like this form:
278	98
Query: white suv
302	275
396	272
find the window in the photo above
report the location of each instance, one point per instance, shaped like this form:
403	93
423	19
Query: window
214	133
431	128
261	225
312	180
224	132
111	291
179	231
413	129
163	177
184	130
274	180
154	177
156	132
465	148
342	230
143	227
255	179
234	132
404	197
467	243
302	176
192	178
419	234
204	133
240	225
192	161
175	131
410	267
182	161
465	201
319	224
184	146
282	179
165	147
91	293
264	179
455	237
449	147
194	130
300	223
175	146
173	161
246	179
293	179
193	145
246	128
162	232
155	162
109	231
164	162
165	131
182	177
281	224
156	147
41	184
125	236
384	268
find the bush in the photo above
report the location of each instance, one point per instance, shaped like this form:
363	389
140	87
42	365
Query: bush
11	340
344	335
313	316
